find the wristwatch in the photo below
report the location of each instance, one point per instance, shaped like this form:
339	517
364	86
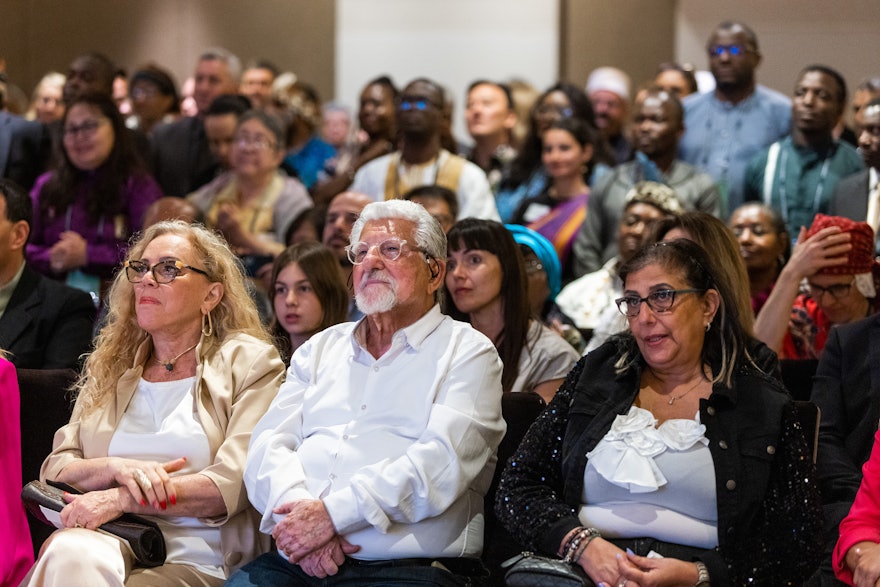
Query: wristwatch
702	575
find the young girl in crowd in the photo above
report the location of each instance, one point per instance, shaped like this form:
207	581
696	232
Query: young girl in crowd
309	295
493	297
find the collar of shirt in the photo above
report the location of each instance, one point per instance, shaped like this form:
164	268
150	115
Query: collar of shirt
413	335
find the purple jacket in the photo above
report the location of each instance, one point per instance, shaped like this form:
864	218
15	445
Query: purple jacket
107	239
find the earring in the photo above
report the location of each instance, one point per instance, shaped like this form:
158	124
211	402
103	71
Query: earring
207	324
708	326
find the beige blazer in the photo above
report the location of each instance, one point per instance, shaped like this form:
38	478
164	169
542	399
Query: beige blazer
235	387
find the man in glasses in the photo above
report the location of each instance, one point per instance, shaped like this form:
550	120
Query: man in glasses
371	463
44	324
725	128
422	160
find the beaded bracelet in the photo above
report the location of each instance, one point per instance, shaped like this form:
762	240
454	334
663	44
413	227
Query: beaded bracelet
577	531
583	546
572	547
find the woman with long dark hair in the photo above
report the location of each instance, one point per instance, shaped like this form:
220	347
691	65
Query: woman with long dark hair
492	295
526	177
89	205
558	212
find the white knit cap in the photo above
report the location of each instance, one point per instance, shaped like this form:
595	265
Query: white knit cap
609	79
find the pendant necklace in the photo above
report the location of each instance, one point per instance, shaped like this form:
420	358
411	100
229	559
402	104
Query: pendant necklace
169	364
672	398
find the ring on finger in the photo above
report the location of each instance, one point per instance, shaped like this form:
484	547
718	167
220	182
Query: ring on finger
77	525
141	479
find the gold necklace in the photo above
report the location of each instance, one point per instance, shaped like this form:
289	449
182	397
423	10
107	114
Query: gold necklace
672	398
169	364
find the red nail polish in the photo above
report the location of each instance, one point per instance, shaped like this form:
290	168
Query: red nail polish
173	500
164	505
143	503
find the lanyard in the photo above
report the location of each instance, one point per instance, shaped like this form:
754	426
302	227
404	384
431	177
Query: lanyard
783	193
69	216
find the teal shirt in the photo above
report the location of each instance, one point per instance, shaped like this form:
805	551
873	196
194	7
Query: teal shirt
803	180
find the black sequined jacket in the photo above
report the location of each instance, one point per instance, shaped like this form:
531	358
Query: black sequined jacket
769	510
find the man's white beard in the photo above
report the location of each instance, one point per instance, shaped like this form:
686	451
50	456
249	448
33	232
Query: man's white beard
378	299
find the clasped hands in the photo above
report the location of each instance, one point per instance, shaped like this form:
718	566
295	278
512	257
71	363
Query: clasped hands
609	566
307	537
133	483
68	253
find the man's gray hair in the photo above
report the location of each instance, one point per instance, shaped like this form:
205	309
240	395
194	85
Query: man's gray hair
227	57
429	233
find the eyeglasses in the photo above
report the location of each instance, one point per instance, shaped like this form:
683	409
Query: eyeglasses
257	142
659	301
390	249
732	50
87	129
408	103
545	109
837	291
163	271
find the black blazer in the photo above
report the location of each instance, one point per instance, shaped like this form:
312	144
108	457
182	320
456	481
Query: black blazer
850	198
47	325
181	159
847	390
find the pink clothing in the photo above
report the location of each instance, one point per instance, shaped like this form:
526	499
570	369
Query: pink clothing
863	521
16	550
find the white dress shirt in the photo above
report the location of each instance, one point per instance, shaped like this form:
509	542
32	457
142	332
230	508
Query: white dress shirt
401	449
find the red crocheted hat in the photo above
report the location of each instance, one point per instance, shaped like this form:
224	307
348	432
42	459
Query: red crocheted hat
861	255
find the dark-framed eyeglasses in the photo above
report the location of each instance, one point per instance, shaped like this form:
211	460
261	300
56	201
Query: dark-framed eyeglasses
837	291
390	250
163	271
659	301
732	50
86	129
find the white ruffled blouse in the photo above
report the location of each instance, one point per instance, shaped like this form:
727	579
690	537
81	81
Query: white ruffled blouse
647	480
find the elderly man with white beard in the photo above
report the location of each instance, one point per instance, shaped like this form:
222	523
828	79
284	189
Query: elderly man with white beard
371	465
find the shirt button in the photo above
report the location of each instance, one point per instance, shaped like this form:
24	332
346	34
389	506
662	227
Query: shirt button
722	444
345	437
771	450
375	367
710	410
364	406
731	484
332	476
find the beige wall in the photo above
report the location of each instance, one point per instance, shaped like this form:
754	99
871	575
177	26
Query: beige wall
634	35
41	35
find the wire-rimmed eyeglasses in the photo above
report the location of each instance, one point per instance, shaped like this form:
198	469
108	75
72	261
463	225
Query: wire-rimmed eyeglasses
390	250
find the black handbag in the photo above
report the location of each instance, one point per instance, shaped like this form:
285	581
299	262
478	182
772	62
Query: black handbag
532	570
143	536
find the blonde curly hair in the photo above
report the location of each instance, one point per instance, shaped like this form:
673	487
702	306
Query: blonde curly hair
119	339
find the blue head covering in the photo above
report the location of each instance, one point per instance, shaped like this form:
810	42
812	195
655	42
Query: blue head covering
543	248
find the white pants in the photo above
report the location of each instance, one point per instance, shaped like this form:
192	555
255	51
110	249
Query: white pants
77	556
